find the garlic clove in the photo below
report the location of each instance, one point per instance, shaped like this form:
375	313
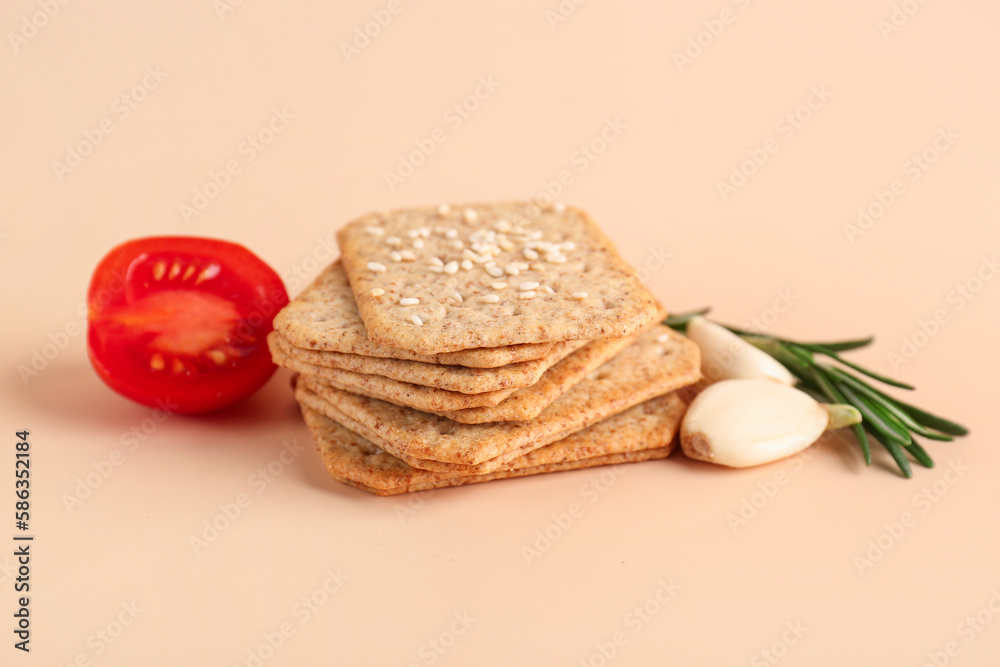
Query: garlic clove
742	423
724	355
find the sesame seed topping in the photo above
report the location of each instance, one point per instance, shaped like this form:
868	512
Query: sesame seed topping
556	258
548	290
374	231
458	297
378	291
559	207
409	301
416	320
512	269
579	295
505	245
375	266
396	257
407	255
466	264
529	285
502	226
530	294
568	245
457	244
494	271
424	232
537	266
663	338
451	267
451	233
491	298
498	285
436	269
413	233
530	254
436	261
418	243
394	240
469	215
444	209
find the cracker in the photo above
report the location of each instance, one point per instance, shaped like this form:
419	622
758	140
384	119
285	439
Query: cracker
563	278
659	362
641	433
453	378
324	317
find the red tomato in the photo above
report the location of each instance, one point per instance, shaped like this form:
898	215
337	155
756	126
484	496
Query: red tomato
181	322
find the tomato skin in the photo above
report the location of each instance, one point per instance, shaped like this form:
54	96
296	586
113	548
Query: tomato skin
181	323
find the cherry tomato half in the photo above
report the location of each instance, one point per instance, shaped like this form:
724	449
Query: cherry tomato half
181	323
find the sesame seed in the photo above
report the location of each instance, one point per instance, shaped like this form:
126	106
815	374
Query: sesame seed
579	295
524	266
535	234
663	338
436	269
530	294
413	233
530	254
451	233
375	231
506	245
418	244
537	266
548	290
559	207
494	271
457	296
469	215
512	269
394	240
416	320
457	244
407	255
378	291
444	209
436	261
451	267
424	232
568	245
441	230
528	286
409	301
498	285
375	266
466	264
491	298
502	226
556	258
396	257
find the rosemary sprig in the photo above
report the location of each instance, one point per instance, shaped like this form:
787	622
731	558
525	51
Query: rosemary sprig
889	421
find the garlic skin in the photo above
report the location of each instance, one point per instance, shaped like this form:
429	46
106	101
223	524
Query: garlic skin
742	423
725	356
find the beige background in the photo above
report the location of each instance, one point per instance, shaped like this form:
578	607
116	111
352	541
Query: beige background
886	80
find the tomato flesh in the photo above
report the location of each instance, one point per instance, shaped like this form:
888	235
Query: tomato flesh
181	323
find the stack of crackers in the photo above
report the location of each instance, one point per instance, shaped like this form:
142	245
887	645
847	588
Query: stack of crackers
451	345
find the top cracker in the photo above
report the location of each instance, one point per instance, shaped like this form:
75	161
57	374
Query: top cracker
441	279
